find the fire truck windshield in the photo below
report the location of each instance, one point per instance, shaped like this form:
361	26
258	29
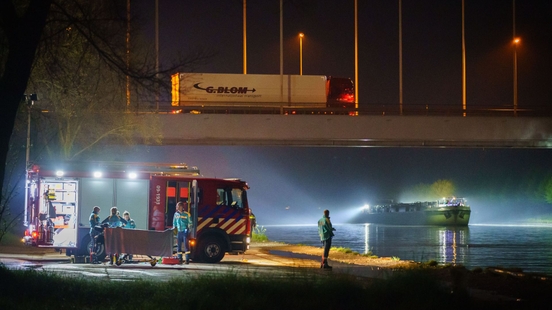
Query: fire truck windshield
234	197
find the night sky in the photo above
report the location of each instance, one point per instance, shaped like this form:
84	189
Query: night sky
432	50
292	185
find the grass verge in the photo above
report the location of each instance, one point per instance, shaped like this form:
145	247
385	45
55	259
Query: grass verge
259	234
349	251
25	289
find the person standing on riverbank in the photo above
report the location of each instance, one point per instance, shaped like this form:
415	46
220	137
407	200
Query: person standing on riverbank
325	230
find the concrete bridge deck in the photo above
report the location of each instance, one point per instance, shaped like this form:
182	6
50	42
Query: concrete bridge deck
357	131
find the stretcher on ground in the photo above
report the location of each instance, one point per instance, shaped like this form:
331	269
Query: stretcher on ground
150	243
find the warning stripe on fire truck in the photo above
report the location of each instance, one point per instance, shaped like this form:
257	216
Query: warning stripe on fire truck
231	221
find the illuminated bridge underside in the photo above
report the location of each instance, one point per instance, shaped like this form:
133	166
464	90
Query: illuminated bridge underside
358	131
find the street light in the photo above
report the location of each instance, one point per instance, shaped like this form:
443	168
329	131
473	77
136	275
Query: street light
301	35
516	42
29	100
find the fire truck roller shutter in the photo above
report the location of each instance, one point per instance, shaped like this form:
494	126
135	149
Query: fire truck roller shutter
133	196
127	194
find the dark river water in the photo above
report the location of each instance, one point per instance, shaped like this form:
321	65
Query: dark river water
525	247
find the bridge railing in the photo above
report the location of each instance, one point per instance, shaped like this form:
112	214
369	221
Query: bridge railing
374	109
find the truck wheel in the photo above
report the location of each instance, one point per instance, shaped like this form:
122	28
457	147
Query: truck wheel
99	250
212	250
84	246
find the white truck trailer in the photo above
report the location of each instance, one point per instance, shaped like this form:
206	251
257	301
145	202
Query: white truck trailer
261	90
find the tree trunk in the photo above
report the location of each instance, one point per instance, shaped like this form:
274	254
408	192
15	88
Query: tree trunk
23	36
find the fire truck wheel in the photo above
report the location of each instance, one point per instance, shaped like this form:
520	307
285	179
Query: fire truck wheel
99	250
212	250
83	248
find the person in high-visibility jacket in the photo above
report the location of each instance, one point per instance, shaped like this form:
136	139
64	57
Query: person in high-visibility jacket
130	225
325	230
182	223
94	220
253	220
114	220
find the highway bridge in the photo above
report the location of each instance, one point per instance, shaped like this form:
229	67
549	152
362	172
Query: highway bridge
487	128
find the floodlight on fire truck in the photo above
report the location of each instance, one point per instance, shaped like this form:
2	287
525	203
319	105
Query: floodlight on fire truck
59	173
97	174
132	175
181	166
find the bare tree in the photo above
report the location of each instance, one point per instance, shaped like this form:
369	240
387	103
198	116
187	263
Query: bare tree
84	100
434	191
38	35
14	176
20	31
7	218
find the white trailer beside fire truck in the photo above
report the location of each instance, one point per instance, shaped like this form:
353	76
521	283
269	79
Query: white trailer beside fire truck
60	199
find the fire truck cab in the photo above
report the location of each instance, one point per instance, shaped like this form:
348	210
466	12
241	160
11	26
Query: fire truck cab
60	199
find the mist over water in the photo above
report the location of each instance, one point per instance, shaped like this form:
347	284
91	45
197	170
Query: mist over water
293	185
526	247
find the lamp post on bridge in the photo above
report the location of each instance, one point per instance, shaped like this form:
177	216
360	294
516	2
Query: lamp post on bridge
516	42
301	35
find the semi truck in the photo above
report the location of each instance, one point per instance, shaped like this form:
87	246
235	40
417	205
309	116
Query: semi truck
60	199
261	90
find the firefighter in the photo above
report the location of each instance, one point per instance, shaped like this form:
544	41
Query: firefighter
114	220
131	225
253	220
94	220
181	222
325	230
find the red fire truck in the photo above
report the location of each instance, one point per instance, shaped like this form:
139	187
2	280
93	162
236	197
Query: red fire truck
61	197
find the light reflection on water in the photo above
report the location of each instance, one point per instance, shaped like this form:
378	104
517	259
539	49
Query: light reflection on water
523	247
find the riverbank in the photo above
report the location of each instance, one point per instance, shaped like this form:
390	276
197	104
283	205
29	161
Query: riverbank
336	254
496	285
493	285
